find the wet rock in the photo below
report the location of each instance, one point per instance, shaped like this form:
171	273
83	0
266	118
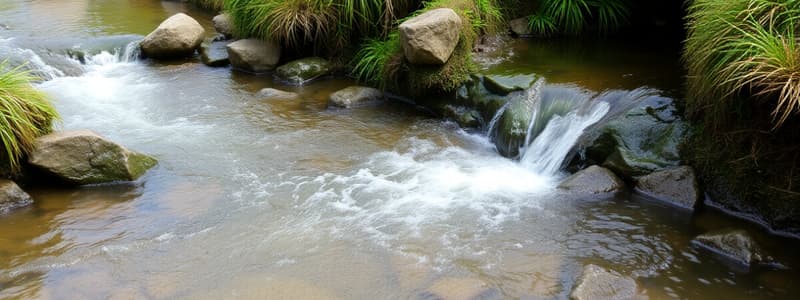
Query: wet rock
254	55
270	93
303	70
465	117
593	180
644	140
737	245
11	196
354	96
84	157
512	126
597	283
178	36
505	84
520	27
676	185
431	37
223	25
214	53
460	289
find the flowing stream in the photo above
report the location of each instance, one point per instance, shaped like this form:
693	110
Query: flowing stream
288	198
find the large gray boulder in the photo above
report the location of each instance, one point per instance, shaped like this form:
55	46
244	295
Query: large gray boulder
11	196
354	96
302	71
593	180
223	25
254	55
676	185
737	245
84	157
597	283
177	36
430	38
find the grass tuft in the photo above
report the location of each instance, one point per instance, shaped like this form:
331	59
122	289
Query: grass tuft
25	114
574	16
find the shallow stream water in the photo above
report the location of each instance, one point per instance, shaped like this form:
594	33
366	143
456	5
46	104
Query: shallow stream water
290	199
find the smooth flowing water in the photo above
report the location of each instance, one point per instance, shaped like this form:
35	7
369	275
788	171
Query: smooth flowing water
289	199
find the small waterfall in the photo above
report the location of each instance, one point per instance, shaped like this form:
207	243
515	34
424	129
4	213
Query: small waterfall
560	116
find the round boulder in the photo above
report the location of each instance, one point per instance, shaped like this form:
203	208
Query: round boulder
223	25
430	38
177	36
84	157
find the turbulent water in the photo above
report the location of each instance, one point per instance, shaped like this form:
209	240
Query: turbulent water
287	198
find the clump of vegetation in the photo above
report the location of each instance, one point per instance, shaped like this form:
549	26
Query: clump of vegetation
215	5
25	114
741	48
327	25
381	61
574	16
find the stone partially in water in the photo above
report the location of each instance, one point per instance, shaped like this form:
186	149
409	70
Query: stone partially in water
11	196
270	93
354	96
593	180
214	53
644	140
302	71
430	38
223	25
676	185
177	36
465	117
734	244
512	126
254	55
84	157
505	84
460	289
520	27
597	283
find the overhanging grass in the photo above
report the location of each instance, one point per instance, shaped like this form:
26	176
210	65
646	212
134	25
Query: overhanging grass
738	50
215	5
574	16
25	114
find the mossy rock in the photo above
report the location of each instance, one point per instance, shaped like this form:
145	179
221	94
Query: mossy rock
643	140
505	84
302	71
512	126
83	157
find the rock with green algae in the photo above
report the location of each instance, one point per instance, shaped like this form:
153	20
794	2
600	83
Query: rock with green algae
643	140
303	70
505	84
84	157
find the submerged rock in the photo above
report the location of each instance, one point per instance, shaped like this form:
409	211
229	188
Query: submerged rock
597	283
178	36
431	37
11	196
520	27
676	185
593	180
84	157
303	70
354	96
737	245
214	53
223	25
460	289
270	93
254	55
